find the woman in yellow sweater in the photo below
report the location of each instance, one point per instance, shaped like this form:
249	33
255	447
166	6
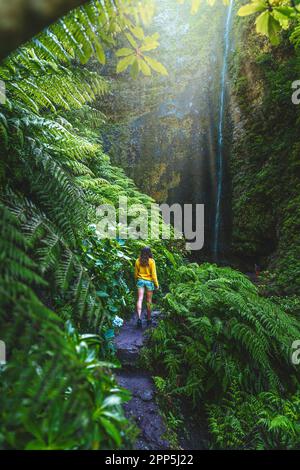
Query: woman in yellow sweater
146	279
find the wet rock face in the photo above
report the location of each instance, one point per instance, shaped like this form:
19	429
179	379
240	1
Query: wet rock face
163	130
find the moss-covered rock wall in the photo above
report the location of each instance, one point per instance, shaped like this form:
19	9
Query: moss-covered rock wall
265	161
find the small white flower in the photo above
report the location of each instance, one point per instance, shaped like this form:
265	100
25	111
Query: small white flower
118	322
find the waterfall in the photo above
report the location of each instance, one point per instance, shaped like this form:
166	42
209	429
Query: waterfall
220	163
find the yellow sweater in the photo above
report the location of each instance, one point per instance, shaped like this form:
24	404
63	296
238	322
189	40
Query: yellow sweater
148	273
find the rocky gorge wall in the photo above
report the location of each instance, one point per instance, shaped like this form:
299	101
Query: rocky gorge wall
265	158
163	130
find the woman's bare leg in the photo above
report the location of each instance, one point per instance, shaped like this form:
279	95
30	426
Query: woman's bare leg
139	303
149	295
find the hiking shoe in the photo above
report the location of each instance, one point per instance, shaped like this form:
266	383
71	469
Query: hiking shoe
139	323
149	322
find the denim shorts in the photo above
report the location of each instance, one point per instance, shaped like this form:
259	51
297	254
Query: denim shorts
149	285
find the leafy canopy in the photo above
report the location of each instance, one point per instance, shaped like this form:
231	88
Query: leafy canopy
272	16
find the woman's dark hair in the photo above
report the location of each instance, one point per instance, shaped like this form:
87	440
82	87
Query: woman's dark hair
146	253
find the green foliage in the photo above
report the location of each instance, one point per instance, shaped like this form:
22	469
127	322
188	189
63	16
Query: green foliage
217	331
274	16
56	393
135	56
59	174
249	422
173	419
290	304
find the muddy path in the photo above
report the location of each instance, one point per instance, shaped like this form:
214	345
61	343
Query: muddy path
142	408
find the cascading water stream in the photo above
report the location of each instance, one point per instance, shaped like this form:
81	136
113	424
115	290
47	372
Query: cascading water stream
220	162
